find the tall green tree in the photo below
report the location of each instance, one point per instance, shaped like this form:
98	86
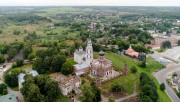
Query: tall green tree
57	62
2	59
38	66
11	77
87	93
27	50
52	89
67	67
34	94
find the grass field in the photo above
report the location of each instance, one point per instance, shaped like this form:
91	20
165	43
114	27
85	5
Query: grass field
127	81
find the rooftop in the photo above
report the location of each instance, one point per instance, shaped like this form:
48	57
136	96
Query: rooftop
8	98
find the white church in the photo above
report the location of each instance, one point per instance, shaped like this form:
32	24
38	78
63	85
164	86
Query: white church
83	58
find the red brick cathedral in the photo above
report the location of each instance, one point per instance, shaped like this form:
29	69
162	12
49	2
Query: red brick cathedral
101	66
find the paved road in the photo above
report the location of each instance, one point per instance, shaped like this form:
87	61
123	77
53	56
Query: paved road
161	77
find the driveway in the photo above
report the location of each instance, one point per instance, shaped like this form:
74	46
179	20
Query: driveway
161	77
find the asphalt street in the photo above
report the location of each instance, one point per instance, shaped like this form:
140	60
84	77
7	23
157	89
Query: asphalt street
161	77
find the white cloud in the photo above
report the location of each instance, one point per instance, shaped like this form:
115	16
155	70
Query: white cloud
90	2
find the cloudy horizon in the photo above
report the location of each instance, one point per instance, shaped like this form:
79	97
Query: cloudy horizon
89	3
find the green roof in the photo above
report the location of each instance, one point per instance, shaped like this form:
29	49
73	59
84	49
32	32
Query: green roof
8	98
101	53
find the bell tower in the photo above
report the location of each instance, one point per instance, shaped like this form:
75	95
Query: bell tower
89	52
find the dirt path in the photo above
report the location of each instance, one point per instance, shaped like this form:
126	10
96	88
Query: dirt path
105	99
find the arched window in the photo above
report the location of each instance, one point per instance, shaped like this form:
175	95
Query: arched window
94	72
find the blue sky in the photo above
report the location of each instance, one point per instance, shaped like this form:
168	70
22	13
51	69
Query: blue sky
89	2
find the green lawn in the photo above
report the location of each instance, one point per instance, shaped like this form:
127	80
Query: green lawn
128	81
26	68
36	48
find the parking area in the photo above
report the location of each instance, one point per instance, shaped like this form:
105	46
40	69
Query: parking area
169	56
173	53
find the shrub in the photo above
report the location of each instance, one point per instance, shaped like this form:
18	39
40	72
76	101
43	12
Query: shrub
14	65
2	59
5	91
162	87
133	69
116	87
83	81
31	56
111	99
19	62
2	88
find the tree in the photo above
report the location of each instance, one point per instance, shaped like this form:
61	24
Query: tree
162	87
31	56
148	92
27	50
34	94
19	62
38	66
11	53
2	88
143	64
5	91
117	87
57	62
174	74
47	63
178	42
51	89
166	44
11	77
111	99
97	92
87	93
1	31
2	59
133	69
67	67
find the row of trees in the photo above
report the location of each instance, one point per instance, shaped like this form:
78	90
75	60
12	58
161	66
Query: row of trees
40	89
148	92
